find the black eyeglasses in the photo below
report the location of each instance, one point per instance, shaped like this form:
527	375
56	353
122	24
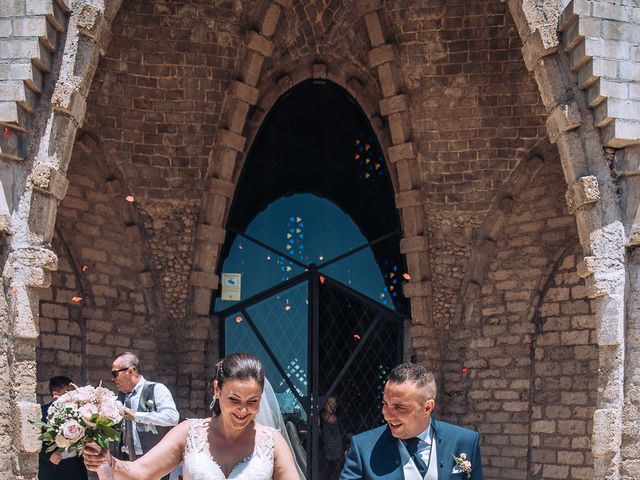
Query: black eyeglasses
115	373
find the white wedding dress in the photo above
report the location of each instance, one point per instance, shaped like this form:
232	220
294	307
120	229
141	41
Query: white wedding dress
198	464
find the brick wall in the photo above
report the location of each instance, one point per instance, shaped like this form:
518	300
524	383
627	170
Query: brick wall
104	260
521	371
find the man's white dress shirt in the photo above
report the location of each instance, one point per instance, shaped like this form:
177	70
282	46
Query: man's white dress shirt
166	414
428	453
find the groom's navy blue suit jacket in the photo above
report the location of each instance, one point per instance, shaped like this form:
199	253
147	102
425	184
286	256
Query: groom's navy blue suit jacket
375	454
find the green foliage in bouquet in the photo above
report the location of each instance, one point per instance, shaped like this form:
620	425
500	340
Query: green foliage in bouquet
87	414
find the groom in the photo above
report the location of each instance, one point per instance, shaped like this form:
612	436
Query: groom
413	445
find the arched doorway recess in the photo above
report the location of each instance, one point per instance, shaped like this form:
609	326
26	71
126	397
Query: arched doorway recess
312	273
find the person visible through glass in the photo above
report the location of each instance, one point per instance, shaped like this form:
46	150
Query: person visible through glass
230	444
332	439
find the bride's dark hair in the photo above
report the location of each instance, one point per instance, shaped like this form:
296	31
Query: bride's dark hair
237	366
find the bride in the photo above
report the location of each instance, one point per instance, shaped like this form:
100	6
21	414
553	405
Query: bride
229	445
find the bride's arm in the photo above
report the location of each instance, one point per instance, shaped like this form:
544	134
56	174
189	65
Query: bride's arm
284	465
159	461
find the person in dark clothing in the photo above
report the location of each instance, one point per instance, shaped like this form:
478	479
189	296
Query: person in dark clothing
332	439
59	465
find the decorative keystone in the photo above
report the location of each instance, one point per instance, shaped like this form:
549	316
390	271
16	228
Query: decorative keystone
210	234
414	244
410	198
319	70
232	140
418	289
563	118
383	54
537	47
583	192
404	151
204	280
26	433
48	180
220	187
259	43
245	92
399	103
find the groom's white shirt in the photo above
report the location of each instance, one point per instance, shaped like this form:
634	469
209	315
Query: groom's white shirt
425	447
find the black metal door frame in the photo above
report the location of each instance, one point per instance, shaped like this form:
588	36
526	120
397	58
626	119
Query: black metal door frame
313	276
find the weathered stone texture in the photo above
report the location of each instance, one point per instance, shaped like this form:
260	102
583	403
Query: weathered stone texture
521	371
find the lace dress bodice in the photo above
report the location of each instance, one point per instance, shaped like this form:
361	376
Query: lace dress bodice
198	464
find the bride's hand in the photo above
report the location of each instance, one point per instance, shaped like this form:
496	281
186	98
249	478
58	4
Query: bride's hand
94	456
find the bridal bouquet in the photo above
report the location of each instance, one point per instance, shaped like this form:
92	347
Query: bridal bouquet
87	414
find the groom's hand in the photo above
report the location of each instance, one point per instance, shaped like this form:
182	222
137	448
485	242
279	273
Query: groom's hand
129	414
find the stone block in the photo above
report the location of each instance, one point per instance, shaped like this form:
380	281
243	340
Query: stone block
259	43
621	133
414	244
269	19
550	79
12	8
48	180
563	118
232	140
251	67
204	280
220	187
583	192
604	88
400	127
572	156
374	29
210	234
383	54
404	151
595	68
396	104
202	300
245	92
389	79
26	433
411	198
418	289
536	47
607	426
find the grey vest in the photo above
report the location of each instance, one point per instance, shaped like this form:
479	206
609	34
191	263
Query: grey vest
149	439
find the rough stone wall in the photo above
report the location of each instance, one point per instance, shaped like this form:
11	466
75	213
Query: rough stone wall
106	264
61	343
520	368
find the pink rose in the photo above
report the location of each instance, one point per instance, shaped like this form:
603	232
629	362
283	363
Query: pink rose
87	410
104	395
467	464
62	442
72	430
84	394
463	456
111	410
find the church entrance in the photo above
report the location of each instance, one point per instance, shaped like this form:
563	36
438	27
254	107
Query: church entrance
311	274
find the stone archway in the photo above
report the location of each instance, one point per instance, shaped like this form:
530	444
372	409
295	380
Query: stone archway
592	192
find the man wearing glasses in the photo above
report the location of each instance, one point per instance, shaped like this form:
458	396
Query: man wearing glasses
149	404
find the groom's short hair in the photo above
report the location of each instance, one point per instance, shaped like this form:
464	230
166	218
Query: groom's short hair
417	374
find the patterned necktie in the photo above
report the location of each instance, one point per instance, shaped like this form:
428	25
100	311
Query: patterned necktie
412	448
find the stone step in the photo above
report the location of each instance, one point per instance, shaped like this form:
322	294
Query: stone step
13	116
11	144
56	11
604	88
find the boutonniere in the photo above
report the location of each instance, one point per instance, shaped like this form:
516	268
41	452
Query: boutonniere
463	464
149	405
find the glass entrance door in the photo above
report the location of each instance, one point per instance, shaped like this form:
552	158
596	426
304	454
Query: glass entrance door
327	349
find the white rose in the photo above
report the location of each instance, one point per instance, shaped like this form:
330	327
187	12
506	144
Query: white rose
62	442
72	430
111	410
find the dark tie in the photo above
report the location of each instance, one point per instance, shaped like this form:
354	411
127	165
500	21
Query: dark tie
412	448
128	431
